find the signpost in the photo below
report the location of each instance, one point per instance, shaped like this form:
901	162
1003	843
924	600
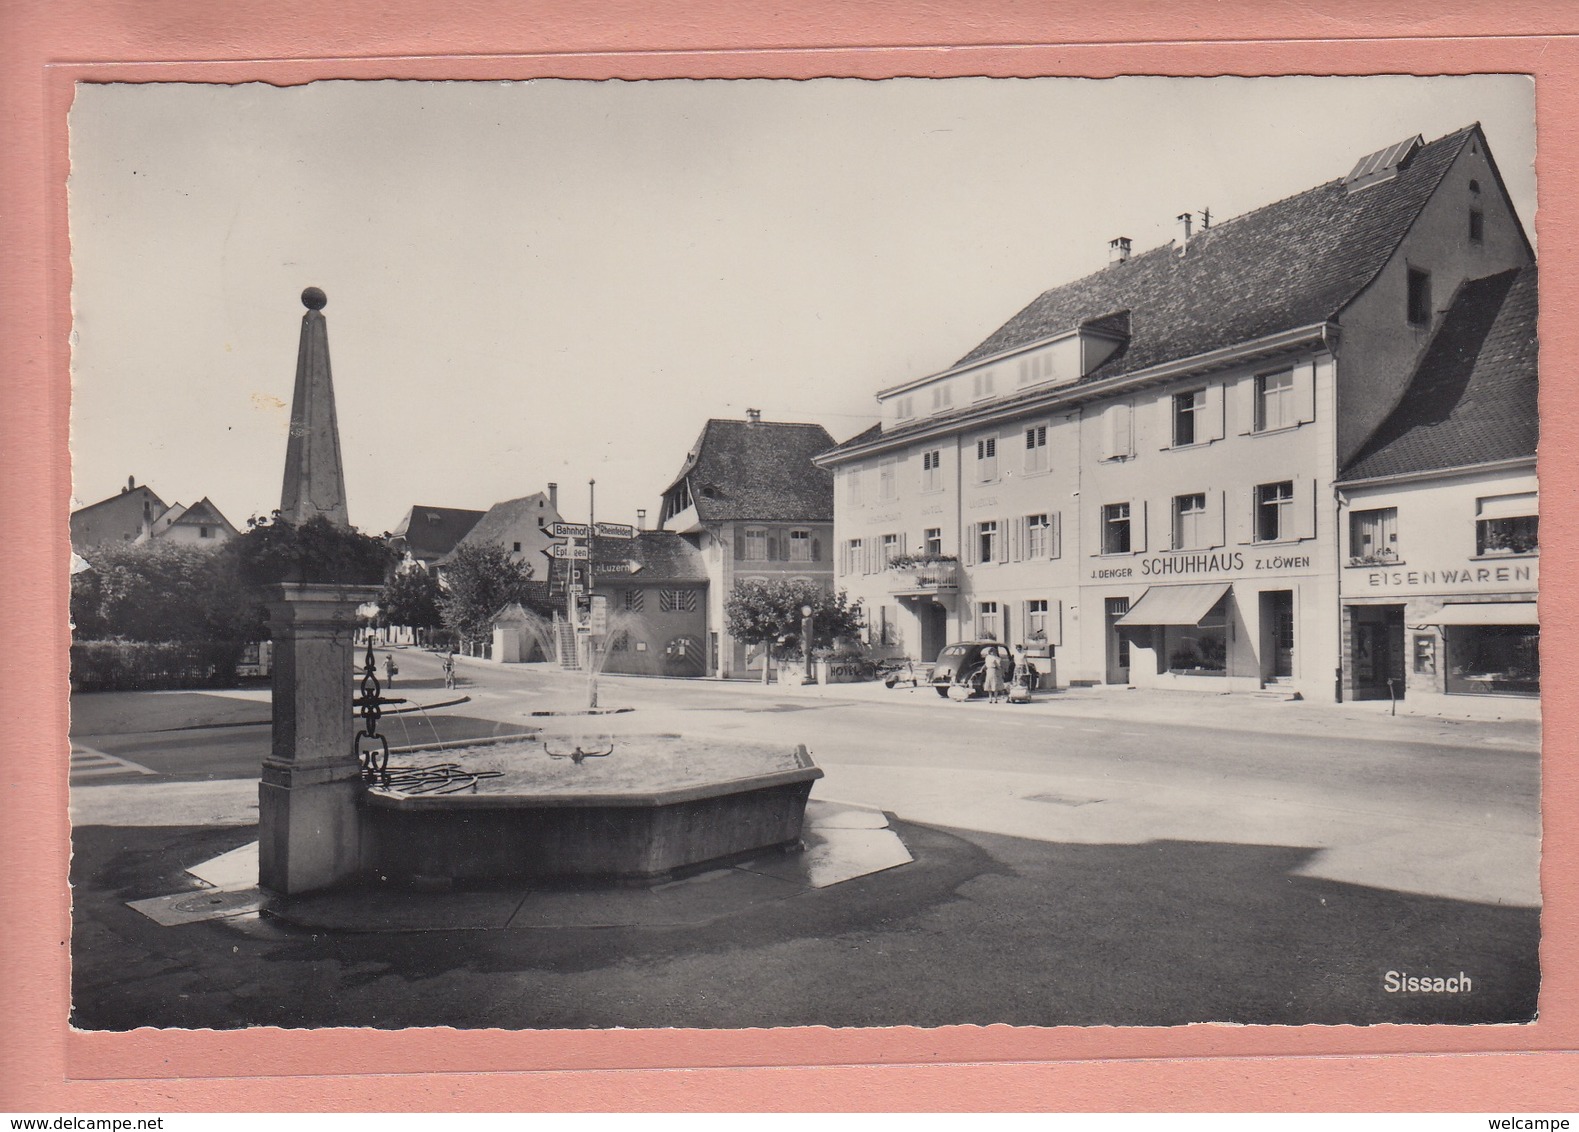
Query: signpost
564	569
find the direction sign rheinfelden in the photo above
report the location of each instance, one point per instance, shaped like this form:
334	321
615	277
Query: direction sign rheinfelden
614	530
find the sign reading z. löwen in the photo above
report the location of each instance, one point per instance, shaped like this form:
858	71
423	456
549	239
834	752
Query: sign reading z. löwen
1226	563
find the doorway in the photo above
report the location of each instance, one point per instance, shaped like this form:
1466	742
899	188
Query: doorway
1117	641
1377	651
934	629
1277	636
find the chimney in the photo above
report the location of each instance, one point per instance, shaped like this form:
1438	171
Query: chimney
641	518
753	416
1186	219
553	496
131	482
1118	250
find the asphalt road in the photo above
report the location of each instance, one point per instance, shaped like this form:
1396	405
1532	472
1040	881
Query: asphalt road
1085	859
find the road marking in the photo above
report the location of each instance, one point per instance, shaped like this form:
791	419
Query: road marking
88	763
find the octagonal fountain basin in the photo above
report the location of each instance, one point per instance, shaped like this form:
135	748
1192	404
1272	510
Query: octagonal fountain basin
655	806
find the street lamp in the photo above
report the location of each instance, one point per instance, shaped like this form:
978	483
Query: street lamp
805	638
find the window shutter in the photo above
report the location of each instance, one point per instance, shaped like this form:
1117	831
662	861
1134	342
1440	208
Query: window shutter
1055	623
740	545
1164	419
1218	522
1308	513
1138	525
1055	535
1211	425
816	550
1305	392
972	542
1017	551
1246	511
1003	540
1245	405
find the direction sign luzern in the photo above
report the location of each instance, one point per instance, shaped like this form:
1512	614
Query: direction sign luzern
569	530
563	550
614	530
629	566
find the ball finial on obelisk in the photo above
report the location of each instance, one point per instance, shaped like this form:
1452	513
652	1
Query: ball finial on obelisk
314	481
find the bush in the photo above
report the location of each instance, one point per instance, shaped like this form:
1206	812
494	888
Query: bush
106	666
277	550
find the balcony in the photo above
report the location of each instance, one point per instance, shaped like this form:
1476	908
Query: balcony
920	576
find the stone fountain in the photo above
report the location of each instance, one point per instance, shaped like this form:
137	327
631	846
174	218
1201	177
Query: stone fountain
574	806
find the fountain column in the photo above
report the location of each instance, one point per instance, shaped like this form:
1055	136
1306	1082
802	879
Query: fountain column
309	793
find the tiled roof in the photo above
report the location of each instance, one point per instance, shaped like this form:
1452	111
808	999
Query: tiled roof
511	516
664	555
1293	263
1473	398
432	532
203	512
761	470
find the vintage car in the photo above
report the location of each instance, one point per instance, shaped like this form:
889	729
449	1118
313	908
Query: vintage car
962	666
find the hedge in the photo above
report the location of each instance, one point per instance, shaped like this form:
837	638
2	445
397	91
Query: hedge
103	666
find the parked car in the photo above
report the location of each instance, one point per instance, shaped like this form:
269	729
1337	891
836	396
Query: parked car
963	665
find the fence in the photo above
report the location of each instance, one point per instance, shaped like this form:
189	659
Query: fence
103	666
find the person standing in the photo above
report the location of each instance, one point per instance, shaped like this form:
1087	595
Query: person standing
992	679
390	669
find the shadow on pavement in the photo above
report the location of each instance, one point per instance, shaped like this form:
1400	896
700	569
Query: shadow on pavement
980	929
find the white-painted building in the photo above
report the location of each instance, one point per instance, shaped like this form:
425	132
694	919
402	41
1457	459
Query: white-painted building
1135	475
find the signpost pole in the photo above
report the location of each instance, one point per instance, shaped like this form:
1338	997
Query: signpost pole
592	580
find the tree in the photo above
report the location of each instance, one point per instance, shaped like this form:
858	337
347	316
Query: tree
769	614
163	591
480	579
412	598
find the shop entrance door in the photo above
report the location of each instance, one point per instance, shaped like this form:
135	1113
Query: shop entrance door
934	630
1117	641
1378	650
1277	635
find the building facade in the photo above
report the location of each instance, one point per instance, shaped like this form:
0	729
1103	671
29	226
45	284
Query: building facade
124	517
521	526
1136	474
750	499
426	534
1441	566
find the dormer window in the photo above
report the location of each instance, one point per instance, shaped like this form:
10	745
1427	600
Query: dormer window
981	385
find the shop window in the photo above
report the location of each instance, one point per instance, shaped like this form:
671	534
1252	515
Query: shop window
1274	511
1189	522
1373	537
1036	448
1494	660
986	459
932	541
1275	406
800	546
932	470
1199	650
1419	297
987	541
1188	409
1115	528
987	626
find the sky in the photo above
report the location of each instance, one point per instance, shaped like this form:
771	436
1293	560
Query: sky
560	281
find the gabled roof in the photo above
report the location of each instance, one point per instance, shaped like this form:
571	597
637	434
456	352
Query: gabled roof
1290	264
135	491
1473	398
664	555
759	470
203	512
512	516
432	532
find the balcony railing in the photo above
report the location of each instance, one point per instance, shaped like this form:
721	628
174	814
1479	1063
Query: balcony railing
936	577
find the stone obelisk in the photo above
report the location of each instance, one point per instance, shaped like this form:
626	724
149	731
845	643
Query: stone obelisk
314	478
309	816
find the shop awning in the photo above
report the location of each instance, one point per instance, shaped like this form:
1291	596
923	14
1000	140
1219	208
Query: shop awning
1487	613
1175	605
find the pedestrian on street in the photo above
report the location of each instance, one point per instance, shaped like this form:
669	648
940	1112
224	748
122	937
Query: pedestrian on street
390	669
449	670
992	680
